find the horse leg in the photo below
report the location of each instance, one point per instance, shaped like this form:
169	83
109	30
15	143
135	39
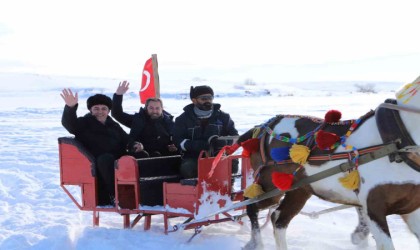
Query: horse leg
256	240
413	222
376	215
290	206
362	230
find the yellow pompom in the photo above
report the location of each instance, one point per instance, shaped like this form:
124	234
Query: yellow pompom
253	191
351	181
299	153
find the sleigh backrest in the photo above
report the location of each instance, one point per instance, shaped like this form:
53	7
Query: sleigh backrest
77	168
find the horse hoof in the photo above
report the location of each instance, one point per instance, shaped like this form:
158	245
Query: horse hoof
359	238
252	245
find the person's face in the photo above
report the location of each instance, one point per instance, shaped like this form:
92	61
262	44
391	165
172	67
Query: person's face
154	110
100	112
204	102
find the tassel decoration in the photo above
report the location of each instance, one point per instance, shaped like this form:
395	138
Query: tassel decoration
299	154
250	146
282	181
230	149
280	154
326	140
253	190
351	181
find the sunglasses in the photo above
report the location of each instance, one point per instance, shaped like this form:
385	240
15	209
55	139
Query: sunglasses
205	97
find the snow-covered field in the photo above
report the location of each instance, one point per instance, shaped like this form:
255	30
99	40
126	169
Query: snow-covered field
35	213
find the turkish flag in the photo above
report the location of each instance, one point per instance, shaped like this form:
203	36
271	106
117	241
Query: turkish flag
147	89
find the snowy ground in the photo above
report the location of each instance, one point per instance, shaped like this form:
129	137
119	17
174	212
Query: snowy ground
35	213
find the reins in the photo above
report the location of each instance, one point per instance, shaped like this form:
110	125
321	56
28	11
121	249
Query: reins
384	150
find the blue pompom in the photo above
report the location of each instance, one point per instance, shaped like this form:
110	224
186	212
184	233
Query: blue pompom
280	154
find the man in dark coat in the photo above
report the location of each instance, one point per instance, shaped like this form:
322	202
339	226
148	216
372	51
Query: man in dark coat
151	128
100	134
199	127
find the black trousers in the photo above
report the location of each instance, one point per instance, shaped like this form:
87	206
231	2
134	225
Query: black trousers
105	175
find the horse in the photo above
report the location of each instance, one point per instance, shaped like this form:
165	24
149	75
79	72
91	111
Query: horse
380	177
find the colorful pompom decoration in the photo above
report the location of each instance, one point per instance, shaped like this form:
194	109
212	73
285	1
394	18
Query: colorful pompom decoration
282	181
326	140
250	146
253	190
332	116
351	181
299	153
280	154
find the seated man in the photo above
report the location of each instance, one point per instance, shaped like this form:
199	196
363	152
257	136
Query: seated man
100	134
199	127
151	128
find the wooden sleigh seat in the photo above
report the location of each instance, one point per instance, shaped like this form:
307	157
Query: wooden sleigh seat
150	186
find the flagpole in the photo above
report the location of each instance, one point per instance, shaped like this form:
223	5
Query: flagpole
156	75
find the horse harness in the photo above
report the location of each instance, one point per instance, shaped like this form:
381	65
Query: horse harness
391	128
315	158
398	144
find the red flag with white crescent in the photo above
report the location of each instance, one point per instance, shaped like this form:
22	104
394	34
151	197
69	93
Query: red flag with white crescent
147	89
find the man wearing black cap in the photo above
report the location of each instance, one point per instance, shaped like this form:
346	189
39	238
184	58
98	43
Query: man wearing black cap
199	127
100	134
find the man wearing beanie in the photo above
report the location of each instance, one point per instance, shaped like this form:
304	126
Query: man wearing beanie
100	134
198	128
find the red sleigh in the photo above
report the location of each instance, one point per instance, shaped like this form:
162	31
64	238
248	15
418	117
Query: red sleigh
152	186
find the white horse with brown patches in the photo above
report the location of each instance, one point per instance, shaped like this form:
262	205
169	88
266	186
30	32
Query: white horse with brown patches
382	185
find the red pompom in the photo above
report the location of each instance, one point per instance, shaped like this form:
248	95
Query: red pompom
282	181
250	146
325	140
332	116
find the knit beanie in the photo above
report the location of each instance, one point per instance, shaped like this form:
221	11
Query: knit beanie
200	90
99	99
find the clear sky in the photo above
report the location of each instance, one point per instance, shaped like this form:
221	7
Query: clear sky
353	39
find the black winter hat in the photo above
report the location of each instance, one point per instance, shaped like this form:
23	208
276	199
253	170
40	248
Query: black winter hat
200	90
99	99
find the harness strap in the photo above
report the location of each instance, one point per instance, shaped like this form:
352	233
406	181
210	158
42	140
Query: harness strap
337	156
343	167
396	107
329	157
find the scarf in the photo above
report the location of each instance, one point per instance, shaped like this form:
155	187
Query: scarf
202	114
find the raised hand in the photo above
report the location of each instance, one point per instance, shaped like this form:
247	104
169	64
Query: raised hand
122	88
68	97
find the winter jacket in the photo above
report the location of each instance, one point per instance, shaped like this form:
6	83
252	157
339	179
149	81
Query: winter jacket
197	132
118	113
155	135
98	138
